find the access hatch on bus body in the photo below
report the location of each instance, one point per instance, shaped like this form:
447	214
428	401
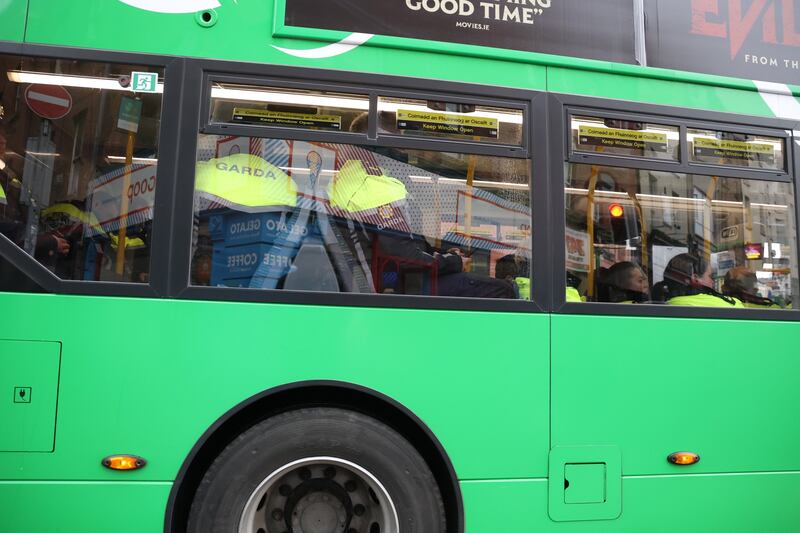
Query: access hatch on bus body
585	483
28	395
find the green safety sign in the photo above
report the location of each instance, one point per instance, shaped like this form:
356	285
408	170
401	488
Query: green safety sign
144	82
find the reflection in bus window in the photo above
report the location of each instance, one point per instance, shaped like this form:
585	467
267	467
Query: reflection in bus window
637	236
625	138
449	120
296	215
736	149
78	153
284	107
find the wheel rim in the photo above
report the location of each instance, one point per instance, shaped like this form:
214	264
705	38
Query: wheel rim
320	495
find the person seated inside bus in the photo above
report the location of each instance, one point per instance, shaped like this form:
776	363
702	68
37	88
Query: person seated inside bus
516	270
49	246
406	250
623	282
469	284
573	285
687	282
741	283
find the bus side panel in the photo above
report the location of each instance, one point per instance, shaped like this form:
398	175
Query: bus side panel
699	504
725	389
13	14
653	91
243	32
148	377
518	505
82	507
657	504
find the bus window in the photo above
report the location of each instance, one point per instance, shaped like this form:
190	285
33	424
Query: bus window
297	215
625	137
447	120
639	236
736	149
78	155
288	108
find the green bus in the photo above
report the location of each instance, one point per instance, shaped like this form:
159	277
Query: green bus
285	266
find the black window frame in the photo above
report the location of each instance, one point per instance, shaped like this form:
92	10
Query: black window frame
196	120
684	163
513	150
592	157
185	107
168	136
562	106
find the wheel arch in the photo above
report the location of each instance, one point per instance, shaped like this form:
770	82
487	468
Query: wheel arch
312	394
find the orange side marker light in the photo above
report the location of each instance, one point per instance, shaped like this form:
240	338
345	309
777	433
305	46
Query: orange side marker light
683	458
124	462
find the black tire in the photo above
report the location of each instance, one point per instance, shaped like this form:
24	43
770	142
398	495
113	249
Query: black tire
316	432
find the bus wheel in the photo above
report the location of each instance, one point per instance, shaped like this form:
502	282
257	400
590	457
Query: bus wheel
318	470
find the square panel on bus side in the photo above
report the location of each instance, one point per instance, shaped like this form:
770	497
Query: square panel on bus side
28	395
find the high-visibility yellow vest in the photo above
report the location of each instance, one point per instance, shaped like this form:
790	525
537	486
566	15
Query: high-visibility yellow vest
68	209
75	214
355	190
524	287
245	182
573	295
131	243
760	306
13	183
703	300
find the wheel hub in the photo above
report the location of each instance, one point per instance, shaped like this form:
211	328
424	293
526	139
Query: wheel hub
320	515
319	495
318	506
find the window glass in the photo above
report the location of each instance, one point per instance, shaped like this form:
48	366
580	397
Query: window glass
288	108
636	236
625	137
78	154
280	214
438	119
736	149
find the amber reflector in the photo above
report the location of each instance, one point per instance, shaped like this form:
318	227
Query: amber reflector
124	462
683	458
616	210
